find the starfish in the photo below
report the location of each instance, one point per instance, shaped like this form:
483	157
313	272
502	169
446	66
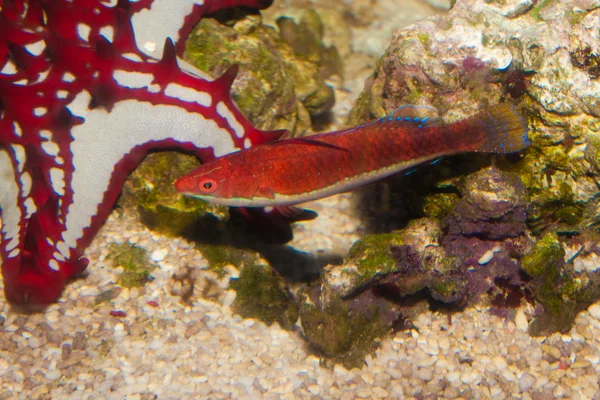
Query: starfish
87	88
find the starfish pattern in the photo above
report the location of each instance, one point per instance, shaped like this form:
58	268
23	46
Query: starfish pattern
87	88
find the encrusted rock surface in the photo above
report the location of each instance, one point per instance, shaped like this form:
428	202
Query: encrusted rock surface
281	82
481	253
474	252
150	191
263	294
496	220
543	56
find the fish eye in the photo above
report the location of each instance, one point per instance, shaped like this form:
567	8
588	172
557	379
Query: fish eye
207	185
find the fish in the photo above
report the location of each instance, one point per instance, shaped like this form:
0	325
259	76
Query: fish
288	172
87	89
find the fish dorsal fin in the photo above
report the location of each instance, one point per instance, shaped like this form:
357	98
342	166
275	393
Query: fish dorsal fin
308	141
423	116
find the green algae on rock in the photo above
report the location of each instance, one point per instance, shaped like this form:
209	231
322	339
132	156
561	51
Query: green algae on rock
561	291
150	189
339	333
277	87
414	254
218	256
262	294
439	205
135	262
342	313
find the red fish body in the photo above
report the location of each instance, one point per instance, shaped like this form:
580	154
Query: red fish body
293	171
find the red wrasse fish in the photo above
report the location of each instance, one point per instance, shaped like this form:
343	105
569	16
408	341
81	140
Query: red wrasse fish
288	172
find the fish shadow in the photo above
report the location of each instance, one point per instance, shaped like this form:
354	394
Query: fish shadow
268	240
390	204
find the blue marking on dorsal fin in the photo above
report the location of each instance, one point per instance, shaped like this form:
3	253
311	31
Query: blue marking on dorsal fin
421	115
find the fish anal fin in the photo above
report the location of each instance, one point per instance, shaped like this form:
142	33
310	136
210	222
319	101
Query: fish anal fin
272	224
290	213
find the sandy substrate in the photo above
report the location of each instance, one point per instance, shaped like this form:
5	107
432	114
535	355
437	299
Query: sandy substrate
147	343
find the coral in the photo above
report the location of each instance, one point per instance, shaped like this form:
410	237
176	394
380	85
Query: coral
135	263
264	295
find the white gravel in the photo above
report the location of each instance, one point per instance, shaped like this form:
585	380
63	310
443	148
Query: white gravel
154	345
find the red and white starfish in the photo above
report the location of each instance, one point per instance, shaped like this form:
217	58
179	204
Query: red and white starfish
87	87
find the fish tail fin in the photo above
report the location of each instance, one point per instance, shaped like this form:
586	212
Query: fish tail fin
502	129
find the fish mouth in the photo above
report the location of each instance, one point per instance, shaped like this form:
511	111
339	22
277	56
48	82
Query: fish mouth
185	186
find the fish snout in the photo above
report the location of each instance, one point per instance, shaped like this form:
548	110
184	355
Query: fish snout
186	185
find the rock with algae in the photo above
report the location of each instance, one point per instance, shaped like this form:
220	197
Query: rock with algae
263	294
281	80
487	231
542	55
135	262
481	252
329	21
560	290
150	190
350	305
220	256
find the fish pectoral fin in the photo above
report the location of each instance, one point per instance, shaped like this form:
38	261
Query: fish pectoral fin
291	213
265	193
309	142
